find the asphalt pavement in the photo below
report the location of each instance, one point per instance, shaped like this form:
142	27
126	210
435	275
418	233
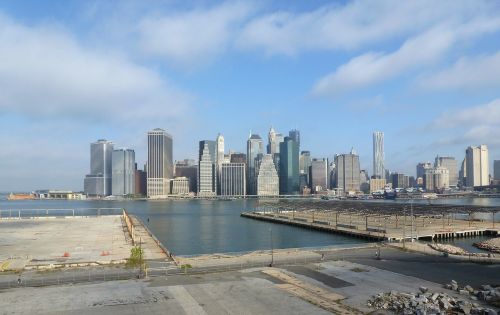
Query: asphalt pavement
431	268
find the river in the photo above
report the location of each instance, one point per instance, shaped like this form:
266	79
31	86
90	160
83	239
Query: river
192	227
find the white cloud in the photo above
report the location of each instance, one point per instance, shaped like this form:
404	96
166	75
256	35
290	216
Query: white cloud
466	73
481	115
417	52
45	72
192	37
350	26
470	126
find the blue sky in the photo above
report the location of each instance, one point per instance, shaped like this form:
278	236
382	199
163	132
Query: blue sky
426	73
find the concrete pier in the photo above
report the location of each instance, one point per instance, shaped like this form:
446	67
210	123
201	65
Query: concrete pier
380	227
30	242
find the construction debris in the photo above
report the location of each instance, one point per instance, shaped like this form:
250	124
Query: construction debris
454	250
492	245
426	302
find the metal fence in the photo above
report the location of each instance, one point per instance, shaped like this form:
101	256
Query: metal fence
41	213
69	277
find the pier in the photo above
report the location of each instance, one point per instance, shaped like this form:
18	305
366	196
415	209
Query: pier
380	221
55	238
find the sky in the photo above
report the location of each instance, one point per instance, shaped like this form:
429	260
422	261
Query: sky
426	73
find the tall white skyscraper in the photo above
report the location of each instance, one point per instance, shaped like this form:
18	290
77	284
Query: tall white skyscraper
206	172
274	140
219	143
160	163
123	172
451	164
255	147
268	179
378	154
477	164
348	172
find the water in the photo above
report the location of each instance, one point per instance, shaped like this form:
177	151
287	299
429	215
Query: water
466	243
191	227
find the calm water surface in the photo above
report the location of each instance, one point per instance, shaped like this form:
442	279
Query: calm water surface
189	227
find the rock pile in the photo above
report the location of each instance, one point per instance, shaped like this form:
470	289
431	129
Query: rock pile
492	245
425	302
450	249
454	250
487	293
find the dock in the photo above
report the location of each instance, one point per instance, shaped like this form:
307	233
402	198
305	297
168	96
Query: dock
380	227
65	238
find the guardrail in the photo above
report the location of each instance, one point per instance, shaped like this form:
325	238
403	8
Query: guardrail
130	226
67	277
46	213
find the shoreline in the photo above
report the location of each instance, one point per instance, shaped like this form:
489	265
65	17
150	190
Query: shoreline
361	198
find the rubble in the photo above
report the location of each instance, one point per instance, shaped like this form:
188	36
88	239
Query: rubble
492	245
450	249
454	250
426	302
488	293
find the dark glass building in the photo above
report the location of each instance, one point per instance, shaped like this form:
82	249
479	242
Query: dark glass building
289	167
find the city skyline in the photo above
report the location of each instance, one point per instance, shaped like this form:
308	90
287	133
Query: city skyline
114	70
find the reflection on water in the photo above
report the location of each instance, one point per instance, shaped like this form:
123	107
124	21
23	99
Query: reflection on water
188	227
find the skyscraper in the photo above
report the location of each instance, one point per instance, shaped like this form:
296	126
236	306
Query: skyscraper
496	169
347	172
399	180
212	149
477	166
188	169
378	154
141	180
289	167
422	167
295	135
437	178
304	162
274	140
160	163
233	181
98	182
238	158
206	174
123	174
255	147
319	175
451	164
219	142
267	179
463	173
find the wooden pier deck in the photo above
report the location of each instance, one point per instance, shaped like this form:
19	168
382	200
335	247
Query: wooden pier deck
380	227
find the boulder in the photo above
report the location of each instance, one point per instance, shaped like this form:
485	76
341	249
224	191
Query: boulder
469	288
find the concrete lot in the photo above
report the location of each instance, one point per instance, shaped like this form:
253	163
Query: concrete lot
45	241
355	278
226	294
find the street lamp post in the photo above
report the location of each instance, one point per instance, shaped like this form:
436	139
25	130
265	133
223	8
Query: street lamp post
404	227
412	219
272	250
